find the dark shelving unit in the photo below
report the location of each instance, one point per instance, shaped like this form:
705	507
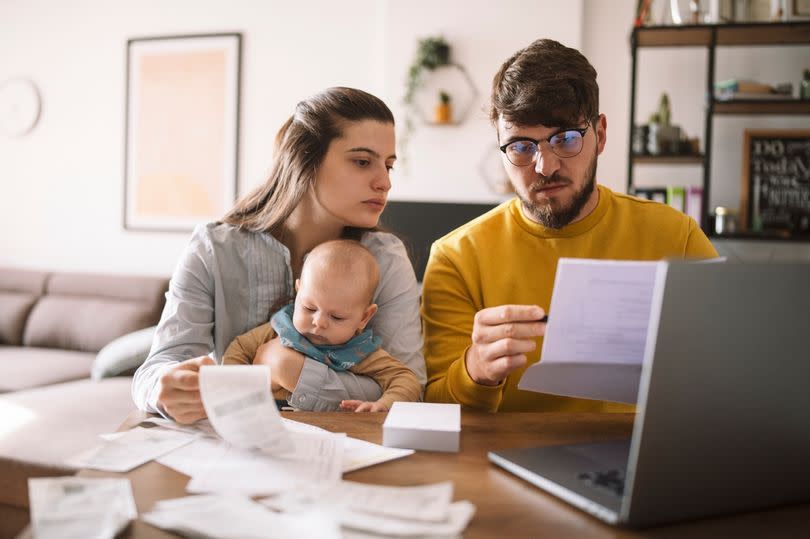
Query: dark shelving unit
712	36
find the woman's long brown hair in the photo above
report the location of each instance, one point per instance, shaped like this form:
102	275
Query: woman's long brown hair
300	147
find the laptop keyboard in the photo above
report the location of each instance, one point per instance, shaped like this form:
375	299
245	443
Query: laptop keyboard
610	480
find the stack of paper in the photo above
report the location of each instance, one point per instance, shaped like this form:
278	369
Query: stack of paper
73	507
389	511
423	425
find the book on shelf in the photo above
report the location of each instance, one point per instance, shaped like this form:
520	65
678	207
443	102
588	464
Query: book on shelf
686	199
676	197
656	194
742	86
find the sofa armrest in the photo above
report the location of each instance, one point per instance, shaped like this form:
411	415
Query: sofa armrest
122	356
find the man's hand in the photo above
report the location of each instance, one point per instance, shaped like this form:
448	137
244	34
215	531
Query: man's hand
362	406
500	340
180	390
285	364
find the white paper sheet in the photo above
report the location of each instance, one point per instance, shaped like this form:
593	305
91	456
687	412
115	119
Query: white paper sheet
226	517
425	503
317	457
359	454
74	507
240	407
196	457
597	330
124	451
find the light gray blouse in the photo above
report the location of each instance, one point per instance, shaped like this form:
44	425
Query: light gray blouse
226	283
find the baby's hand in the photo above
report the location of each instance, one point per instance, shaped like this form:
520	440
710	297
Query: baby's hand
362	406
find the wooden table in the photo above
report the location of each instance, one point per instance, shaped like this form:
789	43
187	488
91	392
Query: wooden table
506	505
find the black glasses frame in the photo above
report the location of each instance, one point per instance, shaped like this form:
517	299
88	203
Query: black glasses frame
536	142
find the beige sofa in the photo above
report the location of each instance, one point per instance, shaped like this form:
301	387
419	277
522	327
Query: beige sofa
57	328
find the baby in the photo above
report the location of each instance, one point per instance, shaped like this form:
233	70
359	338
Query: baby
327	322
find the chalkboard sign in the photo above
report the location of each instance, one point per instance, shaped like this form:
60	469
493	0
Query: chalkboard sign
776	181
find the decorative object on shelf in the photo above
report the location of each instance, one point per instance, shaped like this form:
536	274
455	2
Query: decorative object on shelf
182	131
663	137
431	53
725	221
776	181
444	111
20	106
642	13
641	135
804	87
796	10
431	73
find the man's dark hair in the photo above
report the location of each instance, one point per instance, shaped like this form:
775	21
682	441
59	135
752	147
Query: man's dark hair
546	83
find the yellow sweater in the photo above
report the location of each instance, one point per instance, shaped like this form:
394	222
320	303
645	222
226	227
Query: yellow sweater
397	381
503	257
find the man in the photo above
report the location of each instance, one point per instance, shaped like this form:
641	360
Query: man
487	283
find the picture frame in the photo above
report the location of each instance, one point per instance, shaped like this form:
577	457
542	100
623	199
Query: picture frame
182	130
776	182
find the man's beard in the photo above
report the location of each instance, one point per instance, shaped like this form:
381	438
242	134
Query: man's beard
551	214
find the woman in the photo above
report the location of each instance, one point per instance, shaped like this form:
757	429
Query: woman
330	179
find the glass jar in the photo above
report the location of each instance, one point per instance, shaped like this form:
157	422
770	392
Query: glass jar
725	221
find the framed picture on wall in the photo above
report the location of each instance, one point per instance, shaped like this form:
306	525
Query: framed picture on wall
776	181
182	130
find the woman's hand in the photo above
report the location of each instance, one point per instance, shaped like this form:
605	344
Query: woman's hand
285	364
362	406
180	390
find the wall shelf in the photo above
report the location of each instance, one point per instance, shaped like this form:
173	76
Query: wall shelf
757	106
710	37
668	159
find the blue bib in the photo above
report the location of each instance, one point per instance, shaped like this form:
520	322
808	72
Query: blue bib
339	357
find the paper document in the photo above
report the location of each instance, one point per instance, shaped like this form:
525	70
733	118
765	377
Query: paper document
597	330
389	511
241	409
123	451
226	517
74	507
427	503
316	458
359	454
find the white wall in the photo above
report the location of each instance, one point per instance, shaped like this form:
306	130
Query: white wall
61	186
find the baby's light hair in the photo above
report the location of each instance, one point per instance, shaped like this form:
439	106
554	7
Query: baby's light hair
348	257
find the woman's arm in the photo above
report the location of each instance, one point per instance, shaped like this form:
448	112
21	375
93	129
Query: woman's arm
185	330
397	323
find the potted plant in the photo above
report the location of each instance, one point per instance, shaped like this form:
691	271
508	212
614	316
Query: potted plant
444	112
432	52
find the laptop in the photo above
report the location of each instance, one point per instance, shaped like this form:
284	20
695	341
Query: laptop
723	416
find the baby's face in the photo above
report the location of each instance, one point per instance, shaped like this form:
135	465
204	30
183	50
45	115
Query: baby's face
329	310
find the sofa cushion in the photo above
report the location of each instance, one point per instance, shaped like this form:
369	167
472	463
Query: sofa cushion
26	367
15	307
86	311
48	425
19	290
123	355
21	280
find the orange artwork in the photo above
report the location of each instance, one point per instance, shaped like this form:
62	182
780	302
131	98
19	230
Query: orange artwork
181	131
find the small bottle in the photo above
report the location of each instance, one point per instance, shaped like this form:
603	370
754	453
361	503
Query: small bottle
804	87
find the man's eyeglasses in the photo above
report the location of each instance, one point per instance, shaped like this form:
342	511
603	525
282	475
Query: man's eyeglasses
566	143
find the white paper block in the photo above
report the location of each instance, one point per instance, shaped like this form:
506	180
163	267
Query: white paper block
423	425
